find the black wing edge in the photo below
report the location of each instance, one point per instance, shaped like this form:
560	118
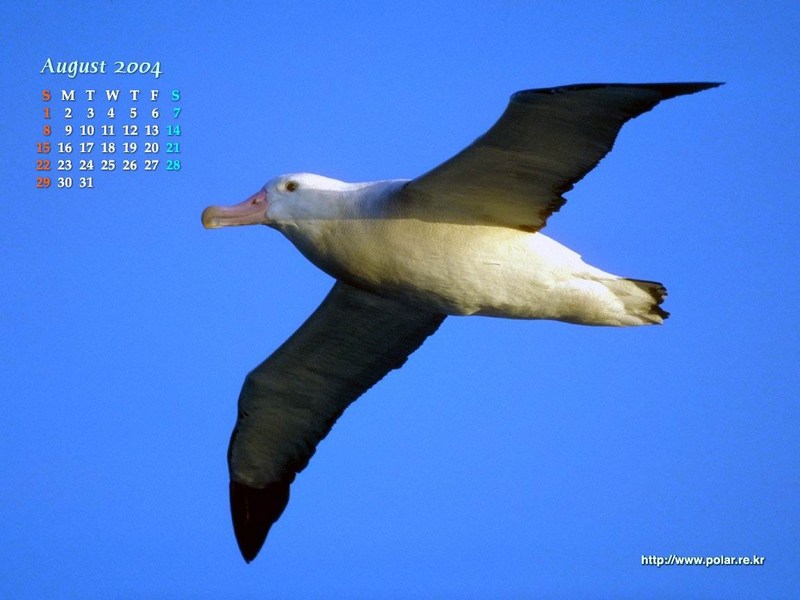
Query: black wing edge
666	90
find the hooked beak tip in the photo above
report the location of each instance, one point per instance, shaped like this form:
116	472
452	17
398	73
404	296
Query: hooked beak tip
209	220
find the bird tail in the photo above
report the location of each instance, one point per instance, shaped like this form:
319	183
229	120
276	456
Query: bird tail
642	299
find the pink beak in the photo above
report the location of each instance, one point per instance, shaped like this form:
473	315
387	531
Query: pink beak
252	211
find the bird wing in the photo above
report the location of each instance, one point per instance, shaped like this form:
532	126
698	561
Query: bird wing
546	141
289	403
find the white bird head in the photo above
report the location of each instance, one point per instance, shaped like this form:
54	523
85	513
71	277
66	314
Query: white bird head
284	200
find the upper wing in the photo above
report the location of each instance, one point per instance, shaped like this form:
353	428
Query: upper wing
291	400
545	142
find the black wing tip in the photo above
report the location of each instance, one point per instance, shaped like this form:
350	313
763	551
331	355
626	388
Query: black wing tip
667	90
254	511
670	90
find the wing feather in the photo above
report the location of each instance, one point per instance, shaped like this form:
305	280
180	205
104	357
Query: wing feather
289	403
544	143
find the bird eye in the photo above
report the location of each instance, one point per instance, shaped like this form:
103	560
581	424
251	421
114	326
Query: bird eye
291	186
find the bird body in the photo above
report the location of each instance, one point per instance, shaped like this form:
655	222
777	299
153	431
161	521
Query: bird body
371	240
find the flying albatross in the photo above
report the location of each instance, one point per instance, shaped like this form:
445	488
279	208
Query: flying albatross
462	239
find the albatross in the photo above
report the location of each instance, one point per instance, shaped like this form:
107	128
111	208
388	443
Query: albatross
462	239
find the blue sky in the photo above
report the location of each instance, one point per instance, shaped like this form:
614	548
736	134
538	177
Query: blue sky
506	459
